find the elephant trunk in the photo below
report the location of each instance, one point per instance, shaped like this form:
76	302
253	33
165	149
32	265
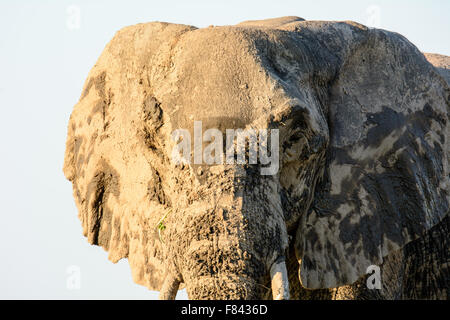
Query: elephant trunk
234	287
226	287
220	268
232	242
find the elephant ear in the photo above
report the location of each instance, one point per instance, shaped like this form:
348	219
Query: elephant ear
114	155
386	180
441	63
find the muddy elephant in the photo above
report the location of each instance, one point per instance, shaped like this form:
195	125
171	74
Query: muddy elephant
358	177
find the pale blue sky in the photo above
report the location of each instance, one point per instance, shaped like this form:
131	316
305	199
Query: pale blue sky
44	61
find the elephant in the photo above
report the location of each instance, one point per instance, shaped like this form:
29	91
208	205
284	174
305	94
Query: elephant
361	182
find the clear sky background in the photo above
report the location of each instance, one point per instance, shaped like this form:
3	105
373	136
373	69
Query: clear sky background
46	51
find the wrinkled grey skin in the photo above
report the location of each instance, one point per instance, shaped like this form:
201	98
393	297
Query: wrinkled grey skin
363	178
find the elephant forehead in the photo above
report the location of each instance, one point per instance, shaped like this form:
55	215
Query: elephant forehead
229	77
219	85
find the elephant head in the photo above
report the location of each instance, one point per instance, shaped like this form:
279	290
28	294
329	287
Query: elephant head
360	119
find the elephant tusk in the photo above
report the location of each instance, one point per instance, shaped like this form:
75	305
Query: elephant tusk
169	288
280	282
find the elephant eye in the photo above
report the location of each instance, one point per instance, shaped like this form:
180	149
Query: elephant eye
295	137
292	140
295	147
